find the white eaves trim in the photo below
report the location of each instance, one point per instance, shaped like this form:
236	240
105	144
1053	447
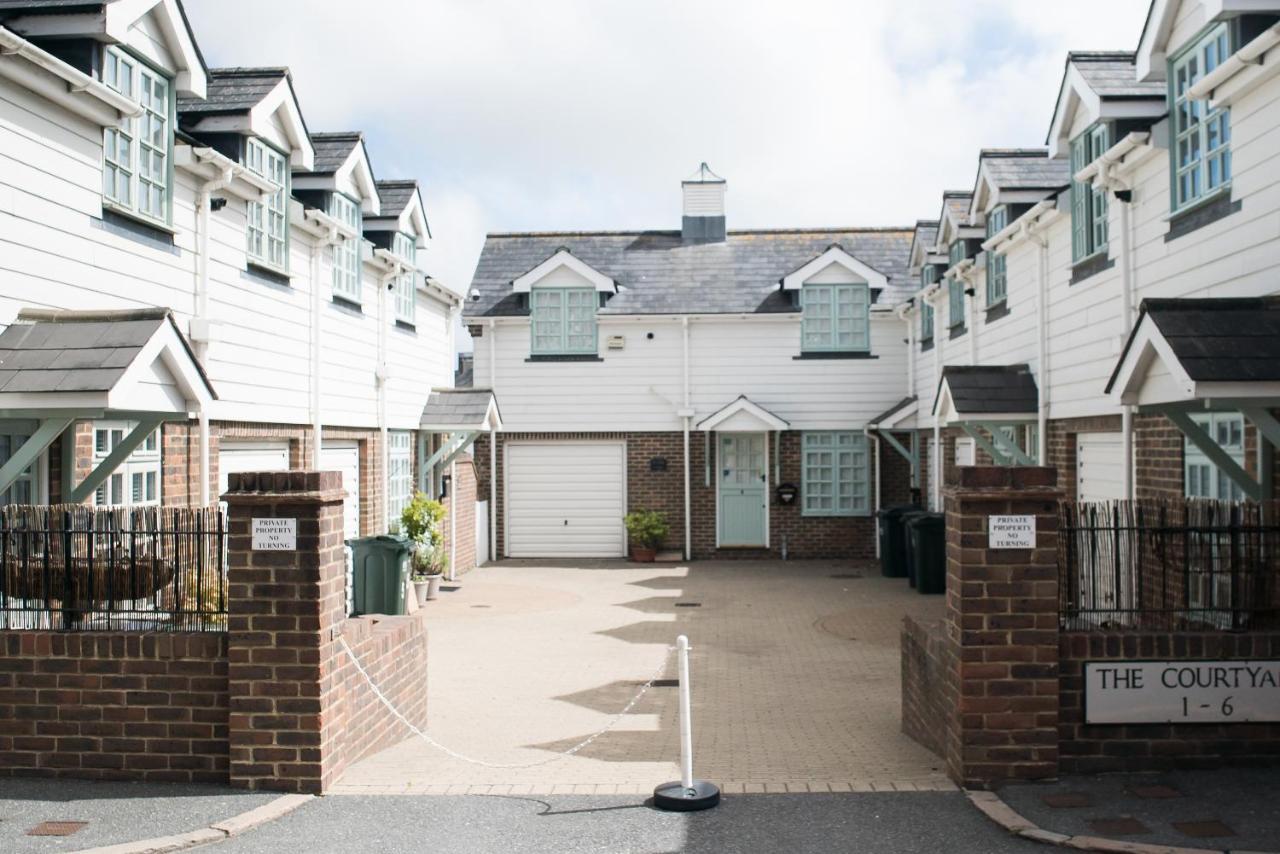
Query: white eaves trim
68	87
835	255
210	165
897	417
565	259
1023	228
319	224
1239	73
751	414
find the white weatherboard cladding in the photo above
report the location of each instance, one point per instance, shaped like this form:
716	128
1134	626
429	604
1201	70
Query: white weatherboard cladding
235	457
345	457
565	499
1099	467
704	199
833	274
53	256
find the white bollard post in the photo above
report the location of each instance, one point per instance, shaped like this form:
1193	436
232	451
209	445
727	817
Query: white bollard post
685	794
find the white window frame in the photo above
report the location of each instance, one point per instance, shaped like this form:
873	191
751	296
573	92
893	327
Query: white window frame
835	318
835	473
399	473
136	482
1200	151
346	253
405	247
137	155
267	229
562	321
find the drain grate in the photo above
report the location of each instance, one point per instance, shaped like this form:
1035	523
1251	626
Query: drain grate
481	606
57	828
666	683
450	588
688	604
846	575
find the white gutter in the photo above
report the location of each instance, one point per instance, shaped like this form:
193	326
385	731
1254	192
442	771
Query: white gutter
325	239
1250	54
903	312
1033	231
1102	167
875	514
493	449
76	81
1015	230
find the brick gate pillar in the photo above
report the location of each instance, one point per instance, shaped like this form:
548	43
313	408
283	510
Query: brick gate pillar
286	601
1002	628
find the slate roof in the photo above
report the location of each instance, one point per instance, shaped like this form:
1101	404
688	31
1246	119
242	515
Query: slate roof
1217	340
465	375
76	351
892	410
50	6
1112	75
926	235
457	408
333	149
956	203
989	389
234	90
658	273
396	196
1025	169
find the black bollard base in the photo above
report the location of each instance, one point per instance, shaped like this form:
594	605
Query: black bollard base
674	797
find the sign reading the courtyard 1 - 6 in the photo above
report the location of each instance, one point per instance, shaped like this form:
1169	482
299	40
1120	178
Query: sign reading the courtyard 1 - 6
275	535
1011	532
1156	692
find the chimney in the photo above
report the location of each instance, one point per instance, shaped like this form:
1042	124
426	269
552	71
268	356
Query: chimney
703	207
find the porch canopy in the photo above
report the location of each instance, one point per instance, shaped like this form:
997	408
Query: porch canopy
744	415
458	416
890	419
978	398
1206	355
59	367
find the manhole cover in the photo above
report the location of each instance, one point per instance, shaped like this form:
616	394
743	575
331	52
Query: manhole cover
1123	826
666	683
688	604
57	828
846	575
1203	829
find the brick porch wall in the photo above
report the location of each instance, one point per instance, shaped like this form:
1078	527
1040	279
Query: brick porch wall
462	496
114	706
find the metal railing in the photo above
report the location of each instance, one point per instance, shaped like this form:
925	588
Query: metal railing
1169	564
78	568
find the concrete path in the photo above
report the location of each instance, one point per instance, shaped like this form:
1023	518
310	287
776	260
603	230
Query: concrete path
795	681
905	823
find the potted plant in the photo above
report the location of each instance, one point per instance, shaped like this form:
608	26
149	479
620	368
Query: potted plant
421	522
647	530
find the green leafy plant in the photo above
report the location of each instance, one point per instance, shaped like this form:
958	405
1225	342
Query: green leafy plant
647	528
422	522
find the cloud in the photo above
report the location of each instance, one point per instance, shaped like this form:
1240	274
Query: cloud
576	115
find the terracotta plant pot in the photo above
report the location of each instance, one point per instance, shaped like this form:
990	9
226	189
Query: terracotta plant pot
643	554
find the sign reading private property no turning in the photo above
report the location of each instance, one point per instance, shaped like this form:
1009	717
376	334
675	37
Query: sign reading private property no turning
1011	532
275	535
1157	692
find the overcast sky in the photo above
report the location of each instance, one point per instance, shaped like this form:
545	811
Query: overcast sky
547	115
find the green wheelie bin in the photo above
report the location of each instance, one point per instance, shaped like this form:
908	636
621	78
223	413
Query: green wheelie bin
380	573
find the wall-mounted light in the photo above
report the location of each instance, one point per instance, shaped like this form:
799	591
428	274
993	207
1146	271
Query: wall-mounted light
217	203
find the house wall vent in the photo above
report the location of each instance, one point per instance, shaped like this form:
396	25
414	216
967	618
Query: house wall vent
616	342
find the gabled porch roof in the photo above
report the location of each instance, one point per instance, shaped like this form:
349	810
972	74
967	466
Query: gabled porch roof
745	416
468	409
986	392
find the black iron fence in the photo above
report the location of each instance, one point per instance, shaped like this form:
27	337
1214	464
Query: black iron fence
1173	564
77	568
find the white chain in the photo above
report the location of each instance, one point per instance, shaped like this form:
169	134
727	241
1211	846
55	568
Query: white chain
456	755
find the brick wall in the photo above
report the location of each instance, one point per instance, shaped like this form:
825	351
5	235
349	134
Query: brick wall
114	706
1087	749
928	684
462	496
1157	452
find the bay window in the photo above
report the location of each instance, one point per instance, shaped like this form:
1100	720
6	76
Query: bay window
268	230
136	168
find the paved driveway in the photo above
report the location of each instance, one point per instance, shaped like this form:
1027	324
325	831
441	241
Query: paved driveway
795	677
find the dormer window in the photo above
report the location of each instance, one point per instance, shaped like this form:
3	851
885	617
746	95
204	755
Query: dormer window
997	265
563	321
928	276
1201	155
137	153
406	298
835	318
346	252
1088	203
268	229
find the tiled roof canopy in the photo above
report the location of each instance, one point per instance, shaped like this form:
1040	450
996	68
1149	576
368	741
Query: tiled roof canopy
1026	169
659	273
333	149
396	196
990	389
234	90
457	408
1112	75
1221	339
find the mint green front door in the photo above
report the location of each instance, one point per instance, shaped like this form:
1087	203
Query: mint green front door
742	489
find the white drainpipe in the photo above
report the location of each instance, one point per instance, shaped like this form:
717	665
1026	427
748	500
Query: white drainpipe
493	448
1042	340
875	445
688	511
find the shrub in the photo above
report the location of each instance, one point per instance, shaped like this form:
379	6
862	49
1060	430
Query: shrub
647	528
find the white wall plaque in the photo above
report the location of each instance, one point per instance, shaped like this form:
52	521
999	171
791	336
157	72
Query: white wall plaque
1122	692
275	535
1011	532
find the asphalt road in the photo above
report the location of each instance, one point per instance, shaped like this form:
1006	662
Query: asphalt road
904	823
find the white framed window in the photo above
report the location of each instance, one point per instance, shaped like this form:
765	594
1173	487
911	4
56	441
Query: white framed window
1203	478
955	304
406	294
1201	156
268	229
136	481
1088	203
137	167
997	265
346	253
23	490
835	474
563	321
399	472
835	318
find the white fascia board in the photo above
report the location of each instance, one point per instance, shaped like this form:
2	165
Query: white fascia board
189	77
1076	95
897	418
415	218
438	290
167	346
318	223
566	259
211	165
1152	54
1113	156
357	166
1006	238
281	100
46	75
743	406
835	255
1146	346
944	412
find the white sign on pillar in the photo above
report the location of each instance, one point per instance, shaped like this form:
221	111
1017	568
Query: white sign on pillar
1123	692
1011	532
275	535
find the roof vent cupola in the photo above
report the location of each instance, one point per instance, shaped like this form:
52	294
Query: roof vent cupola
703	220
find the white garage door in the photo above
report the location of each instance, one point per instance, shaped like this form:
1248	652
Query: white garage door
566	499
235	457
1099	467
345	457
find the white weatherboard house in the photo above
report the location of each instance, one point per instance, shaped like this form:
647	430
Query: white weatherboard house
693	371
255	270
